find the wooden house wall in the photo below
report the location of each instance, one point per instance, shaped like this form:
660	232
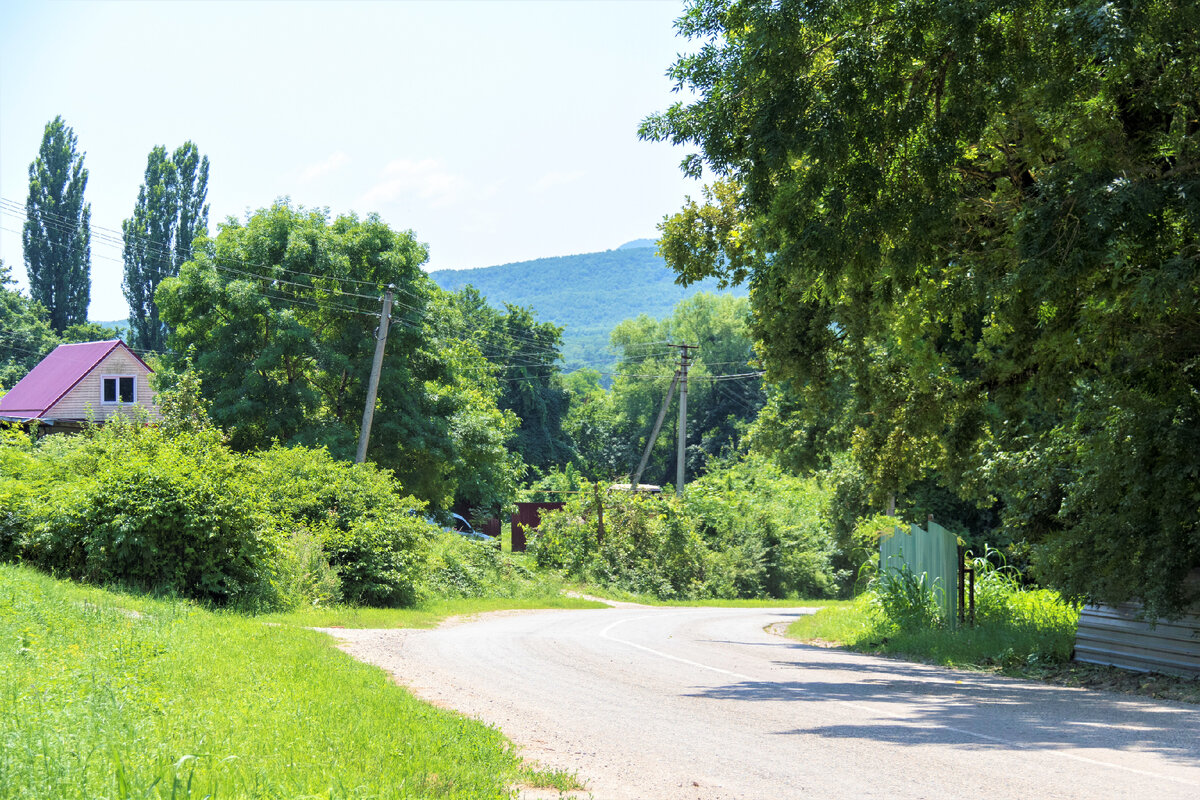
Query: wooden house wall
75	403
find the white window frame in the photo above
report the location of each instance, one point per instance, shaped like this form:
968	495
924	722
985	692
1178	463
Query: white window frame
118	402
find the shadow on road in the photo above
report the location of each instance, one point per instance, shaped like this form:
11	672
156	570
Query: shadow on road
920	704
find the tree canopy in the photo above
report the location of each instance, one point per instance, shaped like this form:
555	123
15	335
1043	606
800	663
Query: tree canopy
277	315
57	231
979	220
170	213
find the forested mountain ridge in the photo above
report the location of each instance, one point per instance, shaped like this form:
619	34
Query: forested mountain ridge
587	294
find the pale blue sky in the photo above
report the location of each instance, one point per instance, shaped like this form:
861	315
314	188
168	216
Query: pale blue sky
497	131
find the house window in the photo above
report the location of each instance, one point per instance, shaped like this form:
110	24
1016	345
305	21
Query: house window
118	388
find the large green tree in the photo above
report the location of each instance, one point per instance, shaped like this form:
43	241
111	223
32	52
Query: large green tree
25	336
526	355
982	219
278	317
57	232
170	213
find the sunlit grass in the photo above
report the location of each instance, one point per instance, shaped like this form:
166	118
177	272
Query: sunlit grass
608	593
108	695
426	615
1042	629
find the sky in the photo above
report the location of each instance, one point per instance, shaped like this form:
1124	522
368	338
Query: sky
496	131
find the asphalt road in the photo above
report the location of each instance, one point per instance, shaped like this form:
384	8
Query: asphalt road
665	703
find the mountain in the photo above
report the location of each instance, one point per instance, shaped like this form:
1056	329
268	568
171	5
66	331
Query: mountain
586	294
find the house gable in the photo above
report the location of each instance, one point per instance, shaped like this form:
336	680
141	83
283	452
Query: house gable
69	382
88	392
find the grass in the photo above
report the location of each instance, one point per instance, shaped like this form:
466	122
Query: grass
991	643
104	695
426	615
608	593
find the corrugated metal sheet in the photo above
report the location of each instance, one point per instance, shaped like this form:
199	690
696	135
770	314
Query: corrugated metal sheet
933	552
1113	635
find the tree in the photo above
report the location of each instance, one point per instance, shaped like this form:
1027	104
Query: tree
57	233
170	213
982	218
719	407
278	315
25	336
526	354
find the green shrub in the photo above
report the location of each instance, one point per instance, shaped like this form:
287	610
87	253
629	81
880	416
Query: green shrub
745	530
173	509
130	505
462	567
376	540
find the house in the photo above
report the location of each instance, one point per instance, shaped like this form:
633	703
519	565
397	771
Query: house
78	381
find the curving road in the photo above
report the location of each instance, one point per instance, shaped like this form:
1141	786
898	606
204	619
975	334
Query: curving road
664	703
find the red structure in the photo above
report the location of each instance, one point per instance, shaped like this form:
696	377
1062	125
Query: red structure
528	517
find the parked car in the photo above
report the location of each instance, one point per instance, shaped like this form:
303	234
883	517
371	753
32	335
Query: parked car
461	526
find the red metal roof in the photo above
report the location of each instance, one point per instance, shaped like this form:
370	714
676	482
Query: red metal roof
56	374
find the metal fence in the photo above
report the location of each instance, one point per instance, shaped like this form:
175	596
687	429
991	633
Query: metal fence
1114	635
932	553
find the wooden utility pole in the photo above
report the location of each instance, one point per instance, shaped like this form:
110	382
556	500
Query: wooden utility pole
376	365
681	448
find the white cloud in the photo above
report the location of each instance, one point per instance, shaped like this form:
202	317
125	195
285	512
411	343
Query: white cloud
314	171
555	178
426	179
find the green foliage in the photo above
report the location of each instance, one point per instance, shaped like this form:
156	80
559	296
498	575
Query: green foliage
284	352
132	506
105	695
525	354
373	538
172	509
25	335
905	601
1022	628
775	522
602	451
587	295
170	213
718	410
460	567
743	531
978	221
57	231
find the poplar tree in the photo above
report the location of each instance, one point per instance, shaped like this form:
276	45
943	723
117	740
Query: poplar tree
57	233
169	214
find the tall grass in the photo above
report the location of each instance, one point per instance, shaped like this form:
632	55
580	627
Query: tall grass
115	696
898	615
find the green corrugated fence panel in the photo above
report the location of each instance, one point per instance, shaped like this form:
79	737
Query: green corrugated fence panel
933	552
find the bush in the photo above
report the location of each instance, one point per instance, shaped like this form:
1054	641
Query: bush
462	567
903	600
374	539
132	506
745	530
172	509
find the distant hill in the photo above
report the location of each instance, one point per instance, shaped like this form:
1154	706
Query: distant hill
587	294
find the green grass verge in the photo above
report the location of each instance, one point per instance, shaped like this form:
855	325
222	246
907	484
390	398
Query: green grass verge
607	593
995	643
107	695
426	615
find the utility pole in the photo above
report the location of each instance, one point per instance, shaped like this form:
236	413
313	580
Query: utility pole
376	365
681	449
662	414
